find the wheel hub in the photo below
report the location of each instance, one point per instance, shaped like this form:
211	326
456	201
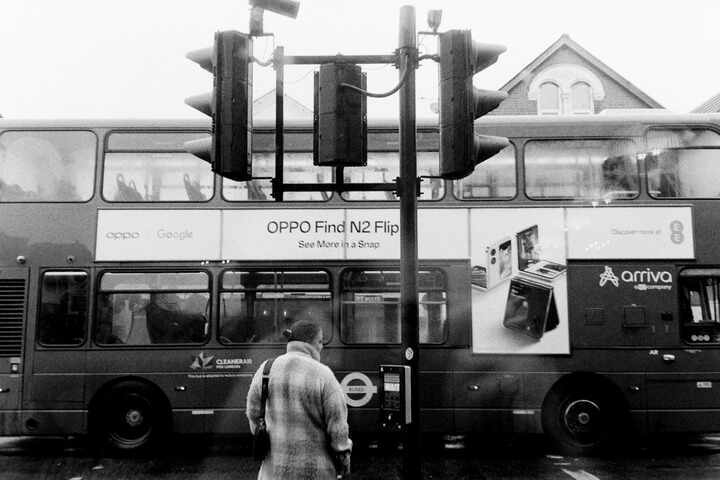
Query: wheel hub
134	417
582	417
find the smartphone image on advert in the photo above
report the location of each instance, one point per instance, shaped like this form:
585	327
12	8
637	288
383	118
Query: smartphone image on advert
529	260
530	308
498	266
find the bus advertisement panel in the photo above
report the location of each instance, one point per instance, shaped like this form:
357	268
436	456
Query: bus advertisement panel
518	257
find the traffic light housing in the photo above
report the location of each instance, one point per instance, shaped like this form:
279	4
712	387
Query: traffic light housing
340	117
461	103
229	150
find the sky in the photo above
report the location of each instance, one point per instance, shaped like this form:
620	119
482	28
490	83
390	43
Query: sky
126	59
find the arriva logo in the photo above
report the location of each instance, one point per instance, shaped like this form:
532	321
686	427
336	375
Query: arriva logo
201	361
608	276
647	279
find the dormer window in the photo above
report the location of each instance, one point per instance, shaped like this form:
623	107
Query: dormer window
566	89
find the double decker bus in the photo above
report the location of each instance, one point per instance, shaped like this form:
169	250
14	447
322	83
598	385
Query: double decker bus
568	286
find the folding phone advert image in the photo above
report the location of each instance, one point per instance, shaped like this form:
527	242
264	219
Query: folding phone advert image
519	281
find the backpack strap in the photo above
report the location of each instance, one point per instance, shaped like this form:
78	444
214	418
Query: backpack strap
264	391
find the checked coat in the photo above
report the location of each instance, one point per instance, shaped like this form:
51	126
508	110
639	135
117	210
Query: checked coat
306	416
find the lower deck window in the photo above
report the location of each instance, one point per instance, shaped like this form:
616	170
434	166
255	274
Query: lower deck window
256	306
700	305
371	306
151	308
63	308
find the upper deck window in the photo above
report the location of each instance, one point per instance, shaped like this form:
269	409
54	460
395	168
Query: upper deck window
494	178
588	169
47	166
683	163
298	168
384	167
154	167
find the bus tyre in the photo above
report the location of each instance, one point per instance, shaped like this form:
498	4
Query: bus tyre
130	416
581	418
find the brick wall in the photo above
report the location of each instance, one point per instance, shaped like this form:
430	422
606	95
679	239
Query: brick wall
616	96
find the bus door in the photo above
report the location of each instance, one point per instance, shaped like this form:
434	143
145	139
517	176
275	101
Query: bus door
58	338
13	308
683	383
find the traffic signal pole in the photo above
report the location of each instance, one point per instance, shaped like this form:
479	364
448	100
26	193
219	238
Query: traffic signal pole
407	189
340	117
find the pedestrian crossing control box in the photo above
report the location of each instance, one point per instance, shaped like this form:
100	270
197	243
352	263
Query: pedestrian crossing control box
395	408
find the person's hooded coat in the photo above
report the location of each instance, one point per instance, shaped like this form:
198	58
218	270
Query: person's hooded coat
306	416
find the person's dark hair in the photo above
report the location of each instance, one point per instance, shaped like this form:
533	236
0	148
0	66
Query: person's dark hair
302	331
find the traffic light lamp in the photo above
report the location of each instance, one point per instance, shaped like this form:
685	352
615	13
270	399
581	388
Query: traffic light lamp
340	116
229	105
461	103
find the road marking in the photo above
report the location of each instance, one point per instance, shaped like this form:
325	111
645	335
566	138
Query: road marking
580	474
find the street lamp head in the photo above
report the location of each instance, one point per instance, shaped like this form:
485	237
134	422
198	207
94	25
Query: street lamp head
288	8
433	19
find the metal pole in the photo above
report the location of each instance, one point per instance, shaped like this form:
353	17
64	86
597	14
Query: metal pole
407	187
279	122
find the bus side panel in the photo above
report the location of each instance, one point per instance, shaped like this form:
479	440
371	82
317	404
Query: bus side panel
169	370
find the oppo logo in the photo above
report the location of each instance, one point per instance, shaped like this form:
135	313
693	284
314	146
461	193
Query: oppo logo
122	235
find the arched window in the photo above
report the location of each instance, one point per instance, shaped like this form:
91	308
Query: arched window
565	89
581	96
549	99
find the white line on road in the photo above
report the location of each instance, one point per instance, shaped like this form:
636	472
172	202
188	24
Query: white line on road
580	474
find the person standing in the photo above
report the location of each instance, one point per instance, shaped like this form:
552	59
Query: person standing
305	413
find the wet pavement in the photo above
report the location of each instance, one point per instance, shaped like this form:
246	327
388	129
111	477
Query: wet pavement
455	458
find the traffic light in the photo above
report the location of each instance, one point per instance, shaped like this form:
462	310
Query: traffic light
461	103
229	150
340	117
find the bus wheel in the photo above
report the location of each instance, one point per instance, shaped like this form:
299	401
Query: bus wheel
581	418
130	417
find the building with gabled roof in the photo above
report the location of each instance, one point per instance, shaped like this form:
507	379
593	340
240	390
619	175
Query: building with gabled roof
567	79
264	108
711	105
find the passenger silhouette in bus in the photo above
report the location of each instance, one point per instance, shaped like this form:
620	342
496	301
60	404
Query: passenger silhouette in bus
13	193
617	181
193	189
662	179
255	192
106	313
127	192
164	321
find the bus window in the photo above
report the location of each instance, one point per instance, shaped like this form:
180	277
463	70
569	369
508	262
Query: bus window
494	178
298	168
149	308
256	306
384	167
38	166
700	305
683	163
587	169
63	308
153	167
371	306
